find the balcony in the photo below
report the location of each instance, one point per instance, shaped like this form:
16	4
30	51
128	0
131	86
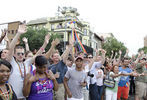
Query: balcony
59	19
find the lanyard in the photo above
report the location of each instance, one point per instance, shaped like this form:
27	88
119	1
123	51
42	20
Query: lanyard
22	76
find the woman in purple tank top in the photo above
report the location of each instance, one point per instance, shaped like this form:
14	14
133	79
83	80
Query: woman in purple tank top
40	84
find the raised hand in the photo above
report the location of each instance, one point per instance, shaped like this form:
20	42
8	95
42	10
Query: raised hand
22	29
50	75
33	78
55	42
47	37
127	51
120	52
4	32
71	42
142	52
25	40
103	51
112	51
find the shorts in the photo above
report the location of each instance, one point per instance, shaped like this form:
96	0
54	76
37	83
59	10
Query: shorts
123	92
141	89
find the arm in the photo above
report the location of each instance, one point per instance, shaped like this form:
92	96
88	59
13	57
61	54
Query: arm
7	40
127	51
3	35
103	56
51	76
54	43
111	56
119	58
69	48
25	40
115	75
66	87
72	55
21	30
29	79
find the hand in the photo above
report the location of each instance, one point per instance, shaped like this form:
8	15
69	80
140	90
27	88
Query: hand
142	52
120	52
116	54
57	75
4	32
69	94
127	51
71	42
50	75
103	51
47	37
83	84
33	78
25	40
22	29
55	42
6	38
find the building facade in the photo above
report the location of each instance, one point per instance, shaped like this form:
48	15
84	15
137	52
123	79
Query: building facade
63	25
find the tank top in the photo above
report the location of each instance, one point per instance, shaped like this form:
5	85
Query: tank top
41	90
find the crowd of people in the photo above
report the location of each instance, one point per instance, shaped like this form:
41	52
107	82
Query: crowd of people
51	76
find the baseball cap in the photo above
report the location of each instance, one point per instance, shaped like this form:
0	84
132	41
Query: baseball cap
79	57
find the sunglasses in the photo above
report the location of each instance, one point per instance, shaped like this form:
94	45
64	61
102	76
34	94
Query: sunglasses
90	57
20	53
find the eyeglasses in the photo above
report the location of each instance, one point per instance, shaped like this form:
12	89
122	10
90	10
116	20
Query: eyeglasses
20	53
90	57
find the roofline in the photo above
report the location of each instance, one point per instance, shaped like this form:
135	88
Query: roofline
98	37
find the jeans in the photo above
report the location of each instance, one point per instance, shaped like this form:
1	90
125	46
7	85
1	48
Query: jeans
100	92
93	92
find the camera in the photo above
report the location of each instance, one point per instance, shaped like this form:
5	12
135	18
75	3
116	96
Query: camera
89	74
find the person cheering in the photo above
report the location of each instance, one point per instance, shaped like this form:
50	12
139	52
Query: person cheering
40	84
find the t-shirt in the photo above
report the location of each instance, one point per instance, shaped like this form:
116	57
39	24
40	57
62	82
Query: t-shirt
75	77
41	90
93	80
141	69
61	68
99	77
124	79
117	79
15	78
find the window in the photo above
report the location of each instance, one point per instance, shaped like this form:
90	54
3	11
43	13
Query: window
85	41
12	31
85	32
52	26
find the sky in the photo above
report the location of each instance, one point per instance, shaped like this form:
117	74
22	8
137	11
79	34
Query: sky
126	19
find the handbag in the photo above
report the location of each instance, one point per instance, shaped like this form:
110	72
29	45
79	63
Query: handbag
109	82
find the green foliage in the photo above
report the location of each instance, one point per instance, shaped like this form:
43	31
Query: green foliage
36	38
112	44
144	49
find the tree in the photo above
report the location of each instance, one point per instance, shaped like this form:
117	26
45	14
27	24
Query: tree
144	49
36	38
112	44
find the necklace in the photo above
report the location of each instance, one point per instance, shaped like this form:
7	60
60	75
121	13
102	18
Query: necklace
6	95
22	76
